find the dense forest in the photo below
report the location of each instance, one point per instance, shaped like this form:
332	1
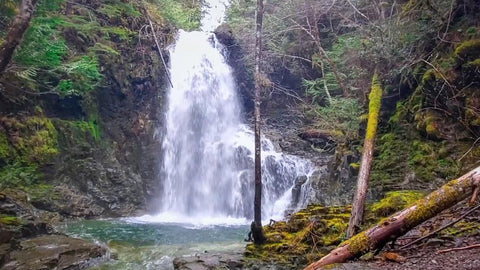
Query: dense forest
84	91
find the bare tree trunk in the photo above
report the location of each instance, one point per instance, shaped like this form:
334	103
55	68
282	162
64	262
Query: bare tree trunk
257	230
401	222
358	205
15	32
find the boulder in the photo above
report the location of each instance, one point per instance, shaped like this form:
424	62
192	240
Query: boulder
54	252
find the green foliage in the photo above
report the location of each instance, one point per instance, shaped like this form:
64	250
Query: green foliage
341	114
44	7
16	175
316	89
8	9
121	33
117	9
42	45
348	51
182	14
102	48
82	74
44	49
92	126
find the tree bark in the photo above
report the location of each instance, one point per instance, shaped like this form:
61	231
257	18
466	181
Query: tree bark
257	230
15	32
401	222
358	205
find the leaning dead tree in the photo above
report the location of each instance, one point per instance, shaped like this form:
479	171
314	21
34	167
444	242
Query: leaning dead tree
358	205
15	32
401	222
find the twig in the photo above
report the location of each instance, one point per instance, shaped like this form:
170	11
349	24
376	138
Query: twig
439	72
441	228
159	51
474	196
466	153
458	248
358	11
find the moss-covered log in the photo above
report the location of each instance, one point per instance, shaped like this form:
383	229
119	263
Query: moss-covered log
401	222
358	205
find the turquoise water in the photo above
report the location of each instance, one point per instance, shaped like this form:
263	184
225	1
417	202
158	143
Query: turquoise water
154	245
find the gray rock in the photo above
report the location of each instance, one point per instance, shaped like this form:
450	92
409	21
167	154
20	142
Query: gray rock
53	252
209	261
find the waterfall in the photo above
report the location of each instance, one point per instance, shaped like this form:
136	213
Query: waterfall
208	151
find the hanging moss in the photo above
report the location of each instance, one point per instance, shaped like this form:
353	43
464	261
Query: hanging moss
375	98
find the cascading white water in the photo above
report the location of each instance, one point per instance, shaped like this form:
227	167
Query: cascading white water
208	152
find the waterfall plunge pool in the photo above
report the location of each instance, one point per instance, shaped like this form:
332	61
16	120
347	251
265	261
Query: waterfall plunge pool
140	245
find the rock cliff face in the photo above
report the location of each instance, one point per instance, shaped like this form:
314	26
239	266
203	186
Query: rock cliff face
115	173
96	148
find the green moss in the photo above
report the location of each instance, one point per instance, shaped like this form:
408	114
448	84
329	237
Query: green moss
305	237
358	244
395	201
40	192
462	228
355	165
10	221
374	104
468	50
434	203
475	63
34	142
5	150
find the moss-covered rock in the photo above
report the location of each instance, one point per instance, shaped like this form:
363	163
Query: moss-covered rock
27	140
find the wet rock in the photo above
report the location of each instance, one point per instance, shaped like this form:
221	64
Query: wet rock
209	261
235	58
297	189
53	252
27	242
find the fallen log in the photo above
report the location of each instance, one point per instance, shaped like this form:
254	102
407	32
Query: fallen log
401	222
